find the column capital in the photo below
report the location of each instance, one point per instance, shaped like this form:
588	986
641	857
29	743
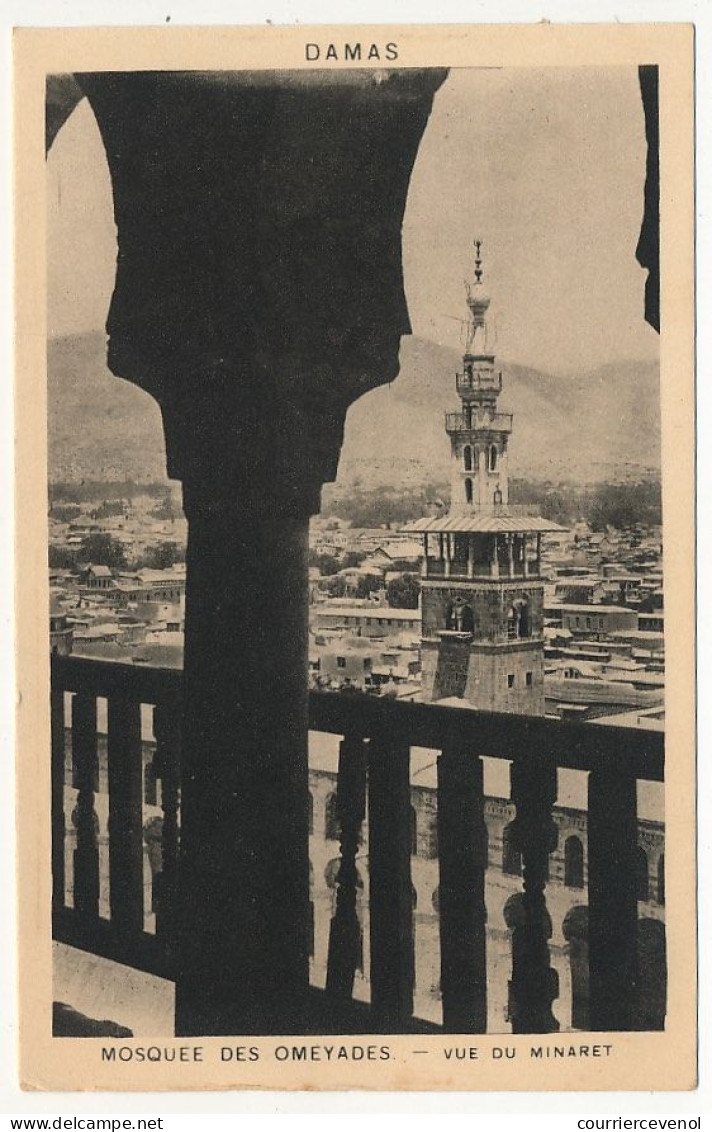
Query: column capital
259	285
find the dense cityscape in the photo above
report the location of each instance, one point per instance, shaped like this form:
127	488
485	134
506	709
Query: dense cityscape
123	599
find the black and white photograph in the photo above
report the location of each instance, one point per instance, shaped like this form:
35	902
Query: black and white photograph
356	517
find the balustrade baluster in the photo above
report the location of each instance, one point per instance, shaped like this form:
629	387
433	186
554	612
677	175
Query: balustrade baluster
391	891
345	929
612	902
166	761
462	849
534	984
86	853
58	823
125	816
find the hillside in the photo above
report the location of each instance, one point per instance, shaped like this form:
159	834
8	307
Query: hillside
603	425
100	427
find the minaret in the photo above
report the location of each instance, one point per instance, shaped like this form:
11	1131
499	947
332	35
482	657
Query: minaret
478	433
482	592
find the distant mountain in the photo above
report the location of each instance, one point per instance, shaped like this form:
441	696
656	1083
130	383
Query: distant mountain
602	425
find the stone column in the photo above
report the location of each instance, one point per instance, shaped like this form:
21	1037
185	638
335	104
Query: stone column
494	563
575	931
258	293
470	556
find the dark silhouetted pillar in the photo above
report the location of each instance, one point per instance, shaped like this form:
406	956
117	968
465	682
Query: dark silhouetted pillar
462	845
258	293
612	898
648	249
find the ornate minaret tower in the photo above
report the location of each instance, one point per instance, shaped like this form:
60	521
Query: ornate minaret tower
482	593
478	433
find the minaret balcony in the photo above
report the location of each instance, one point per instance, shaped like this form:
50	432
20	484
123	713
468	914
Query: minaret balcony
479	381
475	421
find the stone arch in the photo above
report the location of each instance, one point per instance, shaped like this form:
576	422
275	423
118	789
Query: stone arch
525	629
467	619
459	617
573	862
518	619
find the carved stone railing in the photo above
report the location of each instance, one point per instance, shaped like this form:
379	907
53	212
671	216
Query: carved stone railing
374	774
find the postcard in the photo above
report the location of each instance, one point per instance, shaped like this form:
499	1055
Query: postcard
355	449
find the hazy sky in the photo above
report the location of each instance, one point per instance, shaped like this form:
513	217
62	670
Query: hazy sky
546	166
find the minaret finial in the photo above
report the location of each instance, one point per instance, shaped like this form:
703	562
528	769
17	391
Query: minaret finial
478	260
